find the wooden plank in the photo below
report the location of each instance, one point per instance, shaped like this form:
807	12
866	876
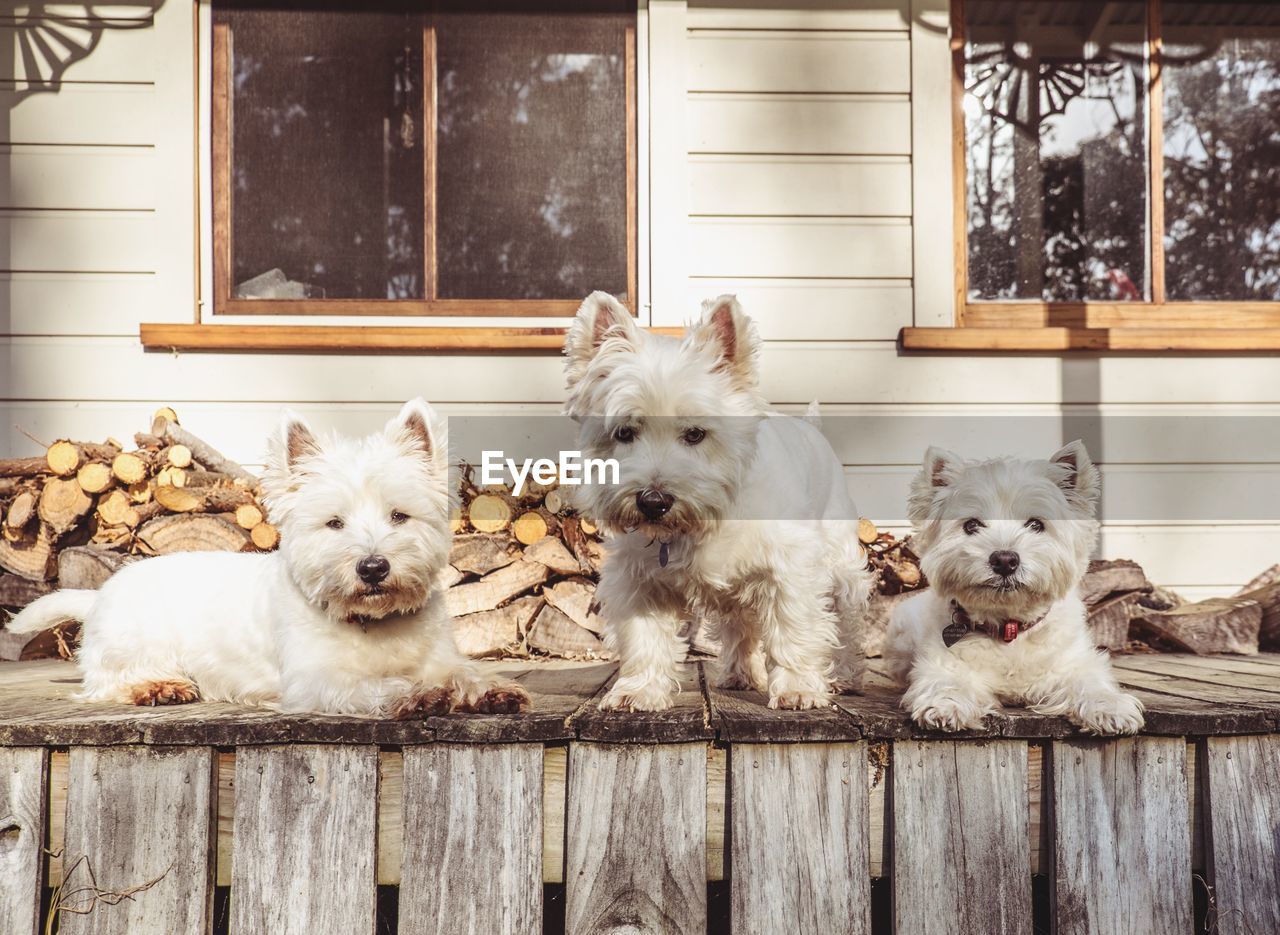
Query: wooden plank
800	62
813	14
809	247
932	143
470	863
23	778
51	50
668	125
1200	690
78	241
687	719
1121	315
1121	839
85	303
979	869
745	717
305	839
140	828
613	884
799	838
812	124
91	114
102	178
800	185
717	805
1265	682
1240	835
815	309
555	775
1149	340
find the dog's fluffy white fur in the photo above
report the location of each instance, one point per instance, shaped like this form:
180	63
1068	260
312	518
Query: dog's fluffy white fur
760	534
1044	513
298	630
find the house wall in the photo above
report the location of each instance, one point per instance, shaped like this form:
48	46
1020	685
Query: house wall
799	157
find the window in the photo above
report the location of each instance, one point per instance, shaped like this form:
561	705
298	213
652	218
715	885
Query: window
478	159
1119	163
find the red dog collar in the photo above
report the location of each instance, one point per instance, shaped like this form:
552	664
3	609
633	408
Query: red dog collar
1007	631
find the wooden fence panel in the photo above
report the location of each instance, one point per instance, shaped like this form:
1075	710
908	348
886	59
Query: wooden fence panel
305	846
472	860
635	856
1243	832
961	863
23	772
1121	841
138	857
799	834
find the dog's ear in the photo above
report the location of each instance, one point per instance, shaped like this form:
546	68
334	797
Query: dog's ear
602	322
419	429
940	471
727	329
297	441
292	445
1077	475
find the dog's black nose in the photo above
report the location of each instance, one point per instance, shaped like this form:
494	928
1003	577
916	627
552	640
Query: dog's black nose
1004	563
654	504
373	569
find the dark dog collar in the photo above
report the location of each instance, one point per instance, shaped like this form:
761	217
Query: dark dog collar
1004	630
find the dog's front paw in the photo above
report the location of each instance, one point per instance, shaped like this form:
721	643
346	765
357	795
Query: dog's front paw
420	704
164	692
642	698
1110	715
949	713
505	698
737	682
799	701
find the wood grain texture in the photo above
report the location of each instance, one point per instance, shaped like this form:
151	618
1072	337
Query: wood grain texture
687	719
1220	340
960	838
799	833
829	124
799	62
23	774
304	840
1121	836
472	854
635	857
139	818
1241	832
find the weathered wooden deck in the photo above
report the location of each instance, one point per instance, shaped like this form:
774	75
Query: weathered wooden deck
574	819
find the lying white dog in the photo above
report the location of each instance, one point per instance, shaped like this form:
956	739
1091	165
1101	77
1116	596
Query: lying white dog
346	618
1004	545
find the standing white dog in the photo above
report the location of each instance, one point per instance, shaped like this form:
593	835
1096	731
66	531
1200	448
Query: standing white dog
346	618
723	510
1004	545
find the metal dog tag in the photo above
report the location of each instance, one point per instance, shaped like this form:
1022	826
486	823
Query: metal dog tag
953	632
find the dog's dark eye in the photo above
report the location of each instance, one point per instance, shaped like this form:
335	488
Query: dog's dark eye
693	436
625	434
973	525
335	523
399	518
1035	525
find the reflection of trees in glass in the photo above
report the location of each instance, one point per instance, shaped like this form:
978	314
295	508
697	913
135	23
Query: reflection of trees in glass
1055	135
327	151
1222	167
531	155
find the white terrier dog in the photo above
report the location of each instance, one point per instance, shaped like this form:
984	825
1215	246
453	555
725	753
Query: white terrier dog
346	618
1004	545
723	510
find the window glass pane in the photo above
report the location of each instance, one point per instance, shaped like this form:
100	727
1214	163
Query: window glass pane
326	154
531	154
1056	151
1221	81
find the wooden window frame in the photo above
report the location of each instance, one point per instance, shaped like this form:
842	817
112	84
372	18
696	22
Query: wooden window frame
431	305
1157	325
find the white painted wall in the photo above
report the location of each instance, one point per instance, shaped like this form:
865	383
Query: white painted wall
799	157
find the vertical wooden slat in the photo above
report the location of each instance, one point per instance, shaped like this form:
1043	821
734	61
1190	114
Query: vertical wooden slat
1121	839
140	828
633	295
221	117
961	863
635	854
959	168
1242	831
429	200
1155	110
23	773
305	828
798	819
472	850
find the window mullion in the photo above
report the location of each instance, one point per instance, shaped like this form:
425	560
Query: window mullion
1155	107
429	157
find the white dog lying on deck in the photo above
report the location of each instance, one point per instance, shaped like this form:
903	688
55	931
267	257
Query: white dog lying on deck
1004	545
346	618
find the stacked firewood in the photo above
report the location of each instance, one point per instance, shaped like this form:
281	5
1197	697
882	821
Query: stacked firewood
71	517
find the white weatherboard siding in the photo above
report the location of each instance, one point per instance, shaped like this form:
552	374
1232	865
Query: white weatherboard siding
778	147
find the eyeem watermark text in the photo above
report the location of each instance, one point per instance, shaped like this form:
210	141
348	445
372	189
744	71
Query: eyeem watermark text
570	469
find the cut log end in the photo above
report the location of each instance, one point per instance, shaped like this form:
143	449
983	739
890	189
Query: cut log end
529	528
489	513
63	458
129	468
264	536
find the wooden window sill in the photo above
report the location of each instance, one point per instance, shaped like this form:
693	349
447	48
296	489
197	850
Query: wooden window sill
339	338
1060	339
